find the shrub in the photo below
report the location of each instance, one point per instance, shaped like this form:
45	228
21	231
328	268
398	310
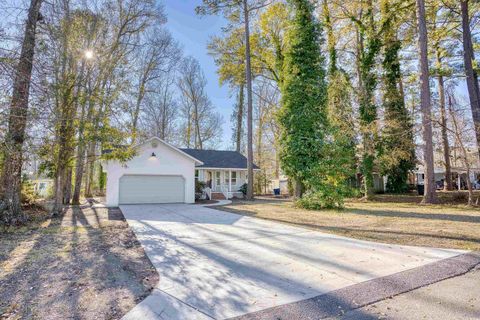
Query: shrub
28	195
243	189
199	186
328	197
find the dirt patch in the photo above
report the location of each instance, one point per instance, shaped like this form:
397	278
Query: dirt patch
383	220
85	265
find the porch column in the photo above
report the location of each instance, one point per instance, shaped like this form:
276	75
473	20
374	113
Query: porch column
229	180
459	181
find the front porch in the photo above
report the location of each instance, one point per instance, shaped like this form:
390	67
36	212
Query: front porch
226	182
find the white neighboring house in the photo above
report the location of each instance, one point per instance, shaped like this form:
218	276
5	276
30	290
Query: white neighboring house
162	173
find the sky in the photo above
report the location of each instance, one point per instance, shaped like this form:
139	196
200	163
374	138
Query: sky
193	32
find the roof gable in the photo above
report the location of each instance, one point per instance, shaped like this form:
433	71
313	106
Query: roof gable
157	139
219	158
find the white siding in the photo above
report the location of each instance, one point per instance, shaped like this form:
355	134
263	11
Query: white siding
167	161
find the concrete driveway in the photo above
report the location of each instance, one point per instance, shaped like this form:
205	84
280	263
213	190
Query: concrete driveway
217	265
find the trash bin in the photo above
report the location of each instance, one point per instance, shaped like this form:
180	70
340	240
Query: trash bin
276	191
421	189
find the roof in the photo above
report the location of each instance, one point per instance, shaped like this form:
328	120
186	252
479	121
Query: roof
219	158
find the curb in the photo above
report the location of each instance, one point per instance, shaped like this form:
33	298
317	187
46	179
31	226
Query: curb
338	302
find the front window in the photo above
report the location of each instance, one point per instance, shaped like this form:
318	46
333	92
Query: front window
234	177
196	175
217	177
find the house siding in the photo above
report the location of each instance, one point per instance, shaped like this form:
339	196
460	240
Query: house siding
168	161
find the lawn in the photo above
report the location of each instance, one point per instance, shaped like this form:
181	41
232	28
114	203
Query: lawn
84	265
388	219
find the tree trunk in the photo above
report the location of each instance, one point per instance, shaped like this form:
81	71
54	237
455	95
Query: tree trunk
443	119
248	75
81	138
430	195
89	169
458	137
238	133
332	52
17	121
259	146
299	188
67	189
470	72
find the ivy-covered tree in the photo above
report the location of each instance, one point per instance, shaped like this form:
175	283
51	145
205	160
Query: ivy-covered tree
339	108
304	95
308	151
397	151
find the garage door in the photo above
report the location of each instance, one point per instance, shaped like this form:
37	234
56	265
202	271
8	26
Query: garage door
151	189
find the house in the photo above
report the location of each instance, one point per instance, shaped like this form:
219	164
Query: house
42	186
162	173
459	176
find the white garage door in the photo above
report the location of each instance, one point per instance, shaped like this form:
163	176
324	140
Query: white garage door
151	189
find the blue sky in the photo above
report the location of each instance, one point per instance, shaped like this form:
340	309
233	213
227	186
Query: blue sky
193	32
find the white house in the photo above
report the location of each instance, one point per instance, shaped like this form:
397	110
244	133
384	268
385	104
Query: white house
162	173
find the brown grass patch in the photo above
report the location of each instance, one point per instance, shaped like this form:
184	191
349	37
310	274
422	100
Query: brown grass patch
385	220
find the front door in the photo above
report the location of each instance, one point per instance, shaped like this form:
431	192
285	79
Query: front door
209	179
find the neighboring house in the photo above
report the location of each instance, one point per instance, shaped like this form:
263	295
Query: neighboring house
459	176
162	173
42	187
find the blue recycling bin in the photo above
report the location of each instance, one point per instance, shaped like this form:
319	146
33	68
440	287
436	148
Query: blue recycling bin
276	191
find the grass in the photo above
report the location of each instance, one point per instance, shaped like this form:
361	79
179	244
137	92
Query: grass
388	219
86	264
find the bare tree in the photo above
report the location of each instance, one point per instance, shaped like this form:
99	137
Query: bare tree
202	124
157	57
159	115
430	194
18	119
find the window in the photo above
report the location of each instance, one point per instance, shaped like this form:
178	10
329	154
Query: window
217	177
196	175
234	177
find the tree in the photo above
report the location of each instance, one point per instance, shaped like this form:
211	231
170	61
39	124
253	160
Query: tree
157	57
229	56
339	107
470	72
12	179
368	46
201	122
243	6
459	127
160	112
397	146
430	195
303	114
440	33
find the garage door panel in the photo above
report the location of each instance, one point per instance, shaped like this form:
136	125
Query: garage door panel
151	189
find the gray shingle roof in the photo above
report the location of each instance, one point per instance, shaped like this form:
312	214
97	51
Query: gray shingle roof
219	158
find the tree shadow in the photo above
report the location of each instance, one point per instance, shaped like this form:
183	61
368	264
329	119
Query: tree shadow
81	267
219	276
